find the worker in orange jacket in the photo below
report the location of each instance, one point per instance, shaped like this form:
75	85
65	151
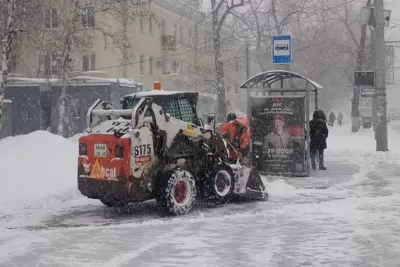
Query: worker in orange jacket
238	135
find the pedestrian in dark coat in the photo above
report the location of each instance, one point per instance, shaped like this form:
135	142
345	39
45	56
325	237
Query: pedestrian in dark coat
332	118
318	134
340	118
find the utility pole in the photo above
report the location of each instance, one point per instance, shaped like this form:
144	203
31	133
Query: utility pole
380	77
355	104
247	61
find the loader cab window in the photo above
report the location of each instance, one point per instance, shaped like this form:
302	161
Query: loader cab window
186	109
169	106
129	102
181	107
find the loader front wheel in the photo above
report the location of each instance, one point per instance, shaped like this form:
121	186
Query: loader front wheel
220	184
176	192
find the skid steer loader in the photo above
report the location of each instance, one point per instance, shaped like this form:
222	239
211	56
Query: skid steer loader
134	155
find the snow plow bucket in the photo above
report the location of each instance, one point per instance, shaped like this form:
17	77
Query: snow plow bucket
248	184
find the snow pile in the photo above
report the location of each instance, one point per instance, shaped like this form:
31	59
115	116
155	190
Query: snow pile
280	188
38	177
36	165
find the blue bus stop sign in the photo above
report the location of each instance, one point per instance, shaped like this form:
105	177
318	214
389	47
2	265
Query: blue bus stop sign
282	49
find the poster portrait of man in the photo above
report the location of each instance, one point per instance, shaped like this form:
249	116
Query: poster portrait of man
279	138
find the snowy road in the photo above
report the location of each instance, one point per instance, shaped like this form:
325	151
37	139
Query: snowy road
347	216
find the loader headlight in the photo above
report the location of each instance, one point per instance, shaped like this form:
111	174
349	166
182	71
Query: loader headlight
82	149
119	151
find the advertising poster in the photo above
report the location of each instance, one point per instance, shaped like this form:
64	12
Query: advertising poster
278	134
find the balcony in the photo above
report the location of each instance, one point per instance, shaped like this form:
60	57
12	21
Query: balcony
168	42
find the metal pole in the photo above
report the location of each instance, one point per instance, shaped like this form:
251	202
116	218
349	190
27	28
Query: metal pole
380	60
247	61
373	38
249	118
307	126
316	98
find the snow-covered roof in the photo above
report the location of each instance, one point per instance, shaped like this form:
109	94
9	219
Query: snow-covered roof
157	92
213	96
30	80
90	79
267	78
84	79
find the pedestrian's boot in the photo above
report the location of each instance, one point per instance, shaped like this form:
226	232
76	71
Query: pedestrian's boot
322	168
313	165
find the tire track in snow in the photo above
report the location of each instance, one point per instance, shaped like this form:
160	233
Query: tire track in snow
128	258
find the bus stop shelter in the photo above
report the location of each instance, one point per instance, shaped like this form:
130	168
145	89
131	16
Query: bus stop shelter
279	121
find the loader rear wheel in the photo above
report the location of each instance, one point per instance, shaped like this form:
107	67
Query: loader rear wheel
176	192
220	184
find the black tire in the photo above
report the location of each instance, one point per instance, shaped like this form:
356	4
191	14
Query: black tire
219	185
170	184
114	203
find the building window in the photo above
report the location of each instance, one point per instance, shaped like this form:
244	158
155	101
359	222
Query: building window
190	36
164	67
236	64
47	65
51	18
163	27
88	17
12	65
88	62
141	23
52	64
175	29
151	24
196	36
175	66
236	88
151	60
141	65
181	35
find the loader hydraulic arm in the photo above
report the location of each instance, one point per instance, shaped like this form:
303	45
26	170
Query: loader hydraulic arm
146	106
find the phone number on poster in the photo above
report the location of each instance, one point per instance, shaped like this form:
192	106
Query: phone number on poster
280	151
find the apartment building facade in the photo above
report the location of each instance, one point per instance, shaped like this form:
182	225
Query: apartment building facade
169	41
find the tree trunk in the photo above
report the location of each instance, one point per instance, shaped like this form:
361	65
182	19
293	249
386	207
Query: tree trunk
125	41
63	114
219	77
219	65
62	119
7	43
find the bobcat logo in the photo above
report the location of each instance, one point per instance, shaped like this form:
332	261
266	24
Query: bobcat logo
86	167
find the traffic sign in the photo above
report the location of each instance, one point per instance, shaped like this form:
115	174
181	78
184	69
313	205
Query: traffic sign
368	92
282	49
364	78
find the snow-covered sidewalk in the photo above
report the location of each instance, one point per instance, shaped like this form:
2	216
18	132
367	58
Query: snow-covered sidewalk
348	215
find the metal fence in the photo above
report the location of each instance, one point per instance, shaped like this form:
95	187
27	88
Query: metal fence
6	120
35	106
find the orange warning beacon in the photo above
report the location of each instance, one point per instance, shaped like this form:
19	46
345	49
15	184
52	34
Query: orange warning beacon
157	86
